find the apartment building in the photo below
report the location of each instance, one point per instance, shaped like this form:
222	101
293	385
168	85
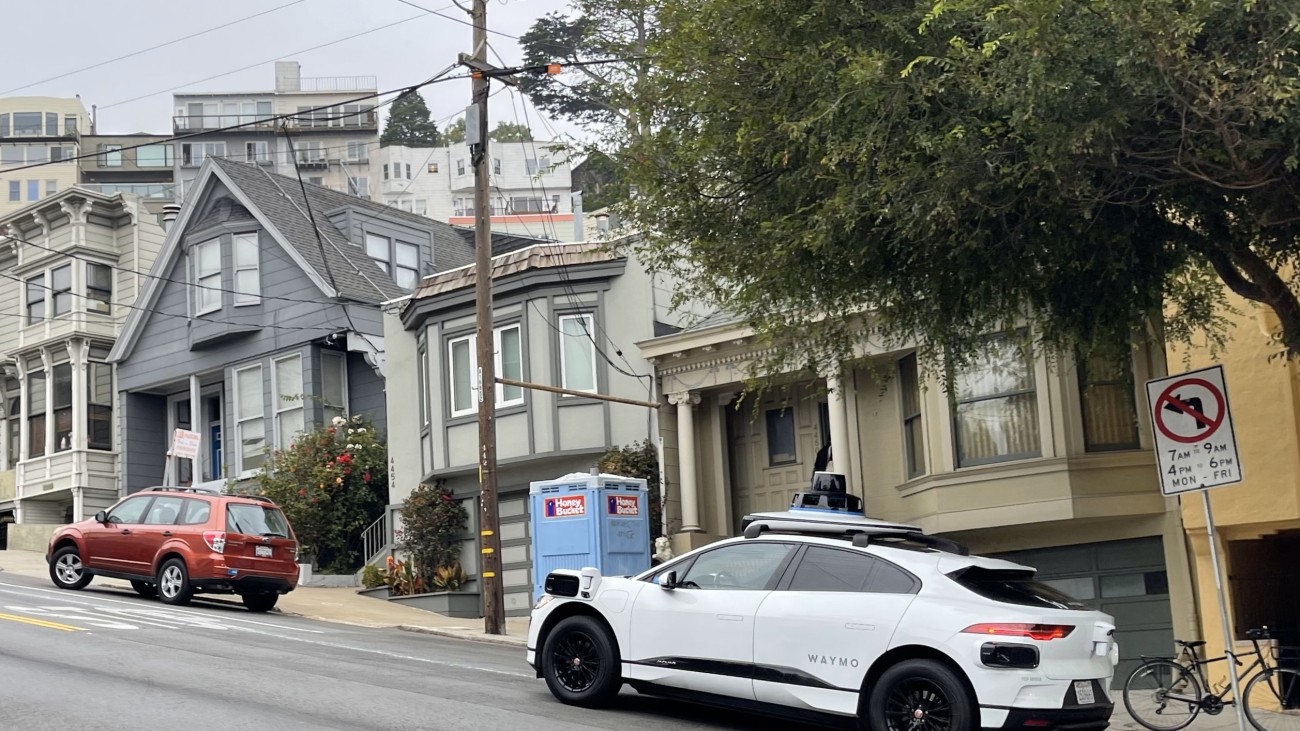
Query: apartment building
138	164
38	130
531	185
332	148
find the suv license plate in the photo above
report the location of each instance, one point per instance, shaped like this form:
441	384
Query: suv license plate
1083	692
265	552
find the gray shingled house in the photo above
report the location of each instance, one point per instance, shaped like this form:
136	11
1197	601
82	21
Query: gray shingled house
261	319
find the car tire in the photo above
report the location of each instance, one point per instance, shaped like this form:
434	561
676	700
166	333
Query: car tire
67	571
919	686
581	664
145	589
174	582
261	602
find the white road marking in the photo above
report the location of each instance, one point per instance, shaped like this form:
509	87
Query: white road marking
74	613
187	617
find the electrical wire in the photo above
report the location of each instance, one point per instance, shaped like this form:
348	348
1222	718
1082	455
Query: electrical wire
262	121
454	19
261	63
102	64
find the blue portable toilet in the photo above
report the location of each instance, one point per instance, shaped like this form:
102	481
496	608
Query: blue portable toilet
584	520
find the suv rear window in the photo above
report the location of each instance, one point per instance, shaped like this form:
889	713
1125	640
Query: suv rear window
1014	587
256	520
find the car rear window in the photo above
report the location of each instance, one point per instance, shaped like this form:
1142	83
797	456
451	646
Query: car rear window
1014	587
256	520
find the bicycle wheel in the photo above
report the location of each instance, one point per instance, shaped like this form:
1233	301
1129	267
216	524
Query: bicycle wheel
1272	700
1162	695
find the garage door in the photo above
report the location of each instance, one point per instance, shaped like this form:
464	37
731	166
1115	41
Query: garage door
1125	579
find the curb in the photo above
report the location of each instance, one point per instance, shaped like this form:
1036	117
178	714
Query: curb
503	640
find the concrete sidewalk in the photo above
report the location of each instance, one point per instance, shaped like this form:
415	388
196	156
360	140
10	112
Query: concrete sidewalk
342	605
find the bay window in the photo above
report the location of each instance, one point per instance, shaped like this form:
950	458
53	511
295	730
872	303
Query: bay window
36	391
509	364
1106	392
250	422
99	288
577	352
290	414
99	406
62	388
995	414
462	354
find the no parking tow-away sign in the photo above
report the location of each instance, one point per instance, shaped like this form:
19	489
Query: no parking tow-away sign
1196	446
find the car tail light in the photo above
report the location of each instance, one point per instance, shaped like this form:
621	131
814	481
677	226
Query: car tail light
1032	631
216	540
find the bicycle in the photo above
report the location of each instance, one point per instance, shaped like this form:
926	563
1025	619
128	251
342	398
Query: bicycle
1272	695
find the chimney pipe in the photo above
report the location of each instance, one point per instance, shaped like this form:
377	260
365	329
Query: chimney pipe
94	118
579	232
169	214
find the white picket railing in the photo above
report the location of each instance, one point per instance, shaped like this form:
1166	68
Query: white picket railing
374	539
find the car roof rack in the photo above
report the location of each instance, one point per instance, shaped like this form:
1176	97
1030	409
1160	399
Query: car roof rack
861	530
200	490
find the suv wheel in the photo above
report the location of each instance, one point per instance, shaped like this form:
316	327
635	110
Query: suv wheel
580	663
66	570
263	602
144	588
919	694
174	582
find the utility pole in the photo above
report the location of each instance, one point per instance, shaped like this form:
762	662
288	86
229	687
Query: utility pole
489	525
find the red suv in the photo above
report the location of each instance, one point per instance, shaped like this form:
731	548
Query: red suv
175	541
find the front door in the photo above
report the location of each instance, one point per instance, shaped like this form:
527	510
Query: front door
700	635
855	601
108	546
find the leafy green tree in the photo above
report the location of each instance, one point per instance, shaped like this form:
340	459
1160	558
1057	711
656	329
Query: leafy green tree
455	133
641	460
511	132
410	123
331	483
927	173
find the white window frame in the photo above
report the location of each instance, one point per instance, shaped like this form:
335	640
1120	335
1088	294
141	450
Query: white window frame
497	353
241	419
451	376
590	321
422	376
257	151
242	298
283	406
206	284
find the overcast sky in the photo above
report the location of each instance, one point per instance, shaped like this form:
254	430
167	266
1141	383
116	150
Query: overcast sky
47	39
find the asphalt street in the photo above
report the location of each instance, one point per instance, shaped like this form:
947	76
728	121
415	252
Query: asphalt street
105	659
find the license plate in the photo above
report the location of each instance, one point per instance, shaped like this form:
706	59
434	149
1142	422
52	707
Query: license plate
1083	692
265	552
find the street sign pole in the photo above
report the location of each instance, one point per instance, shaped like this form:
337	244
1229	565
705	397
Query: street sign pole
1196	450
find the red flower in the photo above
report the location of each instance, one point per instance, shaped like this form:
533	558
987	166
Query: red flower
365	476
344	458
302	493
331	430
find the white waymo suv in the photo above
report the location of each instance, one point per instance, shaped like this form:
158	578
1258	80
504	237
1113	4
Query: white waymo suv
813	615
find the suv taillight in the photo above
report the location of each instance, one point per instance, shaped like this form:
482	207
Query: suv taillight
216	540
1032	631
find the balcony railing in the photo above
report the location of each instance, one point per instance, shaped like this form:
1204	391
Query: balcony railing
325	119
337	83
148	191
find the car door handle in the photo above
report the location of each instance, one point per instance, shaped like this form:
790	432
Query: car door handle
167	534
731	618
126	531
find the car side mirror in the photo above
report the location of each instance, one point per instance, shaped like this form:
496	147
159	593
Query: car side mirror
102	517
669	581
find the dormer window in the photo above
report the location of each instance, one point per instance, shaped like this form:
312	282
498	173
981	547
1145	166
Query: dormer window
205	275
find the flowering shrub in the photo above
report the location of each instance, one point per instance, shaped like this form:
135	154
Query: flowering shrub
331	483
433	523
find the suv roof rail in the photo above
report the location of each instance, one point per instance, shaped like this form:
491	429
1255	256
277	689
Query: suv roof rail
862	531
862	540
201	490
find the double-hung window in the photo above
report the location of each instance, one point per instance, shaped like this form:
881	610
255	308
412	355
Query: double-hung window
36	299
509	364
248	288
99	288
995	415
334	384
578	352
62	388
36	406
1106	391
99	405
205	274
250	419
290	415
909	383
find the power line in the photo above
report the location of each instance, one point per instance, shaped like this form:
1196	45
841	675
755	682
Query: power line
261	121
261	63
101	64
452	18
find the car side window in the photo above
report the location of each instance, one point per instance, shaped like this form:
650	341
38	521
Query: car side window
744	566
831	569
164	511
130	510
196	512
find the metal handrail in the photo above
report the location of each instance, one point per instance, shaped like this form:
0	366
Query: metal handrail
374	539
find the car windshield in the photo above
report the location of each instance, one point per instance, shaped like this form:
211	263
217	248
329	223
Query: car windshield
1014	587
256	520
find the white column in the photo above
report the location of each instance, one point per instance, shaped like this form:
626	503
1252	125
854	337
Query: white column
685	402
196	413
24	408
839	425
78	503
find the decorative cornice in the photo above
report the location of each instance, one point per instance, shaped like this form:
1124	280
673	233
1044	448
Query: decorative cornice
714	362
